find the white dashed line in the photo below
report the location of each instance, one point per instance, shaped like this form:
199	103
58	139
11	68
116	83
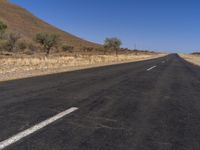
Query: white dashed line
151	68
35	128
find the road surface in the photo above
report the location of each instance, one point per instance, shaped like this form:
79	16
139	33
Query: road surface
148	105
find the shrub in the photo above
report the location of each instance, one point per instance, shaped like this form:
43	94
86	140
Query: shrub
32	47
12	38
3	28
67	48
46	40
5	45
22	45
100	50
87	49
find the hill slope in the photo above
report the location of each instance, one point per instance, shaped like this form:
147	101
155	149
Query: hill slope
20	20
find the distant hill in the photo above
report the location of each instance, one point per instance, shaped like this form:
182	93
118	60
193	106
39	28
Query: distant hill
20	20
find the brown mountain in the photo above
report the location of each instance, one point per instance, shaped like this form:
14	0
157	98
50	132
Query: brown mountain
20	20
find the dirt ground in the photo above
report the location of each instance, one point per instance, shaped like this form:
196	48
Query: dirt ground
195	59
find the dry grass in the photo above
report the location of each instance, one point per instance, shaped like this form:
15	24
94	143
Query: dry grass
26	63
195	59
12	68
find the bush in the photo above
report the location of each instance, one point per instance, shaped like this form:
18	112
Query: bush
67	48
12	38
99	50
5	45
32	47
22	45
48	41
87	49
3	28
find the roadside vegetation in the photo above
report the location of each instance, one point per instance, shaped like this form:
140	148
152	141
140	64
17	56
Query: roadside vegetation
3	28
112	44
20	67
49	51
13	43
47	41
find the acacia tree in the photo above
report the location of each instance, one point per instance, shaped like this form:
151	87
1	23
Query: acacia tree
47	41
112	44
3	28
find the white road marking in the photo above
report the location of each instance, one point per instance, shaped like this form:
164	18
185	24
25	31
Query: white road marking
151	68
163	62
35	128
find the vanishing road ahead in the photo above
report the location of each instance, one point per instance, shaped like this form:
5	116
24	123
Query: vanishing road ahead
148	105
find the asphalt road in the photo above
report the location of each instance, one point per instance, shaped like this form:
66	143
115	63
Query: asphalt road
148	105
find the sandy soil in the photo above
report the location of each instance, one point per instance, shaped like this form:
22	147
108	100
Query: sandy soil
16	68
195	59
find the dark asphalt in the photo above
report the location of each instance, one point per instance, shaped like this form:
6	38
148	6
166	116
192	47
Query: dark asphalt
121	107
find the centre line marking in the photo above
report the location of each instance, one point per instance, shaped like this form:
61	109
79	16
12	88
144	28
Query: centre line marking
35	128
151	68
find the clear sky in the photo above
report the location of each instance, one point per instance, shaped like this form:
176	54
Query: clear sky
163	25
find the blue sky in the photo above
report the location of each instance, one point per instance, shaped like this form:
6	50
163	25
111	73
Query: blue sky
162	25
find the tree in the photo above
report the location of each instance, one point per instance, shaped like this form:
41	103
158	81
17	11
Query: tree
48	41
3	28
112	44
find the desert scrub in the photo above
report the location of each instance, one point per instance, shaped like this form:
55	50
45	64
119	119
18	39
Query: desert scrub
11	64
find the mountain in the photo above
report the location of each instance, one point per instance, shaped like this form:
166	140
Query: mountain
20	20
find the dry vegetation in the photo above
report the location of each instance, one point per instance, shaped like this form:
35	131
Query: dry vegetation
20	20
19	67
195	59
30	47
24	24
